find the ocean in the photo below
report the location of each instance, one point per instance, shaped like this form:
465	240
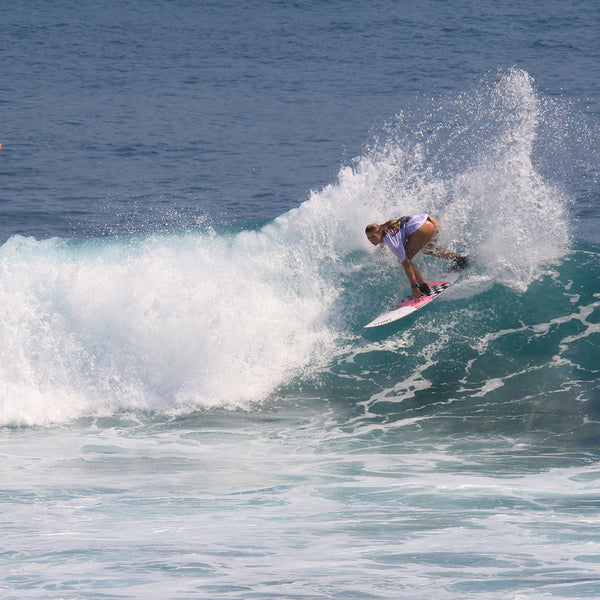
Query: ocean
190	406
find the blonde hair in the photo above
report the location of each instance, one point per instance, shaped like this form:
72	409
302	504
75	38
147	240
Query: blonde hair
394	224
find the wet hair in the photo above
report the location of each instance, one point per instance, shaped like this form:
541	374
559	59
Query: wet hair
394	224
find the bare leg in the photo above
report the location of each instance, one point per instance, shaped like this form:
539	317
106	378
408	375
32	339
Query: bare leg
439	252
424	239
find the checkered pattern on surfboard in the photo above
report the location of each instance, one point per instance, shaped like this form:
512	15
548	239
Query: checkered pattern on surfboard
436	289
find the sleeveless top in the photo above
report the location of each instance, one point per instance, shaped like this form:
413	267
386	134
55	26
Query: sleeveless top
396	237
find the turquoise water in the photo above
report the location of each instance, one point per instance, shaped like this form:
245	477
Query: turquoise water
190	406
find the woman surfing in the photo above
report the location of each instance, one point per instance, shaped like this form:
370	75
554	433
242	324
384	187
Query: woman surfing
407	236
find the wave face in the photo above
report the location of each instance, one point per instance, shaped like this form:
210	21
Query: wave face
172	323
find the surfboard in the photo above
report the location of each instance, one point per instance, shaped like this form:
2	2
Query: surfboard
407	306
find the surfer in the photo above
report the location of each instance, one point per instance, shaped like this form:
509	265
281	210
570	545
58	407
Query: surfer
407	236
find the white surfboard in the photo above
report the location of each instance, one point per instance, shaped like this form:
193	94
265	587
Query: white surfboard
409	305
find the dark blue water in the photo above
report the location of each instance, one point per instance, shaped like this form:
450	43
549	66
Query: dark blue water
189	404
121	116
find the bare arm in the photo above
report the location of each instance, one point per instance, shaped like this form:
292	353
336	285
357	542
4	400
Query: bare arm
414	277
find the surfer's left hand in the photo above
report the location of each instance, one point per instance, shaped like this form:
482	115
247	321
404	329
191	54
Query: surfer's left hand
416	294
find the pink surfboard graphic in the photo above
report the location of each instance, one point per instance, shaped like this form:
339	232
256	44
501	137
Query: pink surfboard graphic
409	305
436	287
